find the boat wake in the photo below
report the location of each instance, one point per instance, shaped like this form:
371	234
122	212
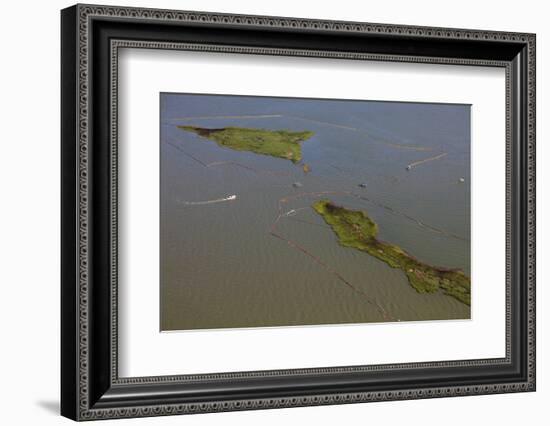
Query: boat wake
202	203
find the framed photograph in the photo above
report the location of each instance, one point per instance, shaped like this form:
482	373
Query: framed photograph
263	212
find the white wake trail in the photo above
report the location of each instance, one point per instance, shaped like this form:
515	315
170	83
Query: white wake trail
201	203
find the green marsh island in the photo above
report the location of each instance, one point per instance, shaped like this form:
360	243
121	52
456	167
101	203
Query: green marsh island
357	230
276	143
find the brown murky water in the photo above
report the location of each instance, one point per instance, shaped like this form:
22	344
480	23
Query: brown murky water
222	268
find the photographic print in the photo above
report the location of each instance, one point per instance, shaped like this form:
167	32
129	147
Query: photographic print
293	211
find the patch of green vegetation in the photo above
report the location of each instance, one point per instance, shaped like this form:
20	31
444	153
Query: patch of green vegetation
276	143
355	229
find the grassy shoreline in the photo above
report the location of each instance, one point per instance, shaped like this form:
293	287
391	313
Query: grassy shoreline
275	143
357	230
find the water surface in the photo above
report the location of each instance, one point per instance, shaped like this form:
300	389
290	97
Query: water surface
221	267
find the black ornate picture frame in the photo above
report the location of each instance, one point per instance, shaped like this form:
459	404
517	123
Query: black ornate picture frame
91	387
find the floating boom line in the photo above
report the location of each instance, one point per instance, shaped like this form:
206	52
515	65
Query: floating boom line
274	232
365	133
410	218
296	117
292	213
349	193
417	163
227	163
400	213
224	117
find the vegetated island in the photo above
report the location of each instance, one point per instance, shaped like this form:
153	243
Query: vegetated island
355	229
276	143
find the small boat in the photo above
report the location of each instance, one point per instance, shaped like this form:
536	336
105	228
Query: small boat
362	185
461	180
231	197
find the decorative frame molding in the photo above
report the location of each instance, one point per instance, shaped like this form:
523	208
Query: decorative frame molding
91	388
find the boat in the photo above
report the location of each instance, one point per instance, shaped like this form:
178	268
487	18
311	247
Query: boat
202	203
